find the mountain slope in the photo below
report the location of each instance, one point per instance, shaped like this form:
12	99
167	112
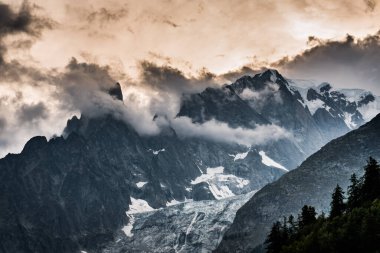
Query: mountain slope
309	184
72	192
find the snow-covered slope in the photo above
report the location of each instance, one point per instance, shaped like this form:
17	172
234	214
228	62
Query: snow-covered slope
193	226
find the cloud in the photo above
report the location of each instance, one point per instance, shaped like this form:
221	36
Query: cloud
259	98
281	27
371	5
159	94
3	123
104	15
19	30
221	132
350	63
81	85
32	112
233	75
170	79
23	21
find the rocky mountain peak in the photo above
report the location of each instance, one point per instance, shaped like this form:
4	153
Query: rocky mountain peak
365	99
271	75
324	87
35	143
116	92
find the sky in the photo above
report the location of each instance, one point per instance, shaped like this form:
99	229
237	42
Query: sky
55	53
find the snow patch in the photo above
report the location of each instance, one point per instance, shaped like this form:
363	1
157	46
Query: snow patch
139	206
273	76
219	183
172	202
354	95
348	120
211	172
220	192
270	162
141	184
314	105
136	206
240	156
156	152
128	228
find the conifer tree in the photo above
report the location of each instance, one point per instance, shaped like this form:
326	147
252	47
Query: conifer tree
353	192
337	202
292	225
371	180
274	240
307	216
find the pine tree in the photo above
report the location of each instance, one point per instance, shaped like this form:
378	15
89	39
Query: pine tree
285	230
353	192
292	226
274	240
337	202
371	180
307	216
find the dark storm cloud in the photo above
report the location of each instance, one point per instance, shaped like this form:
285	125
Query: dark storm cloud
22	21
79	83
15	22
167	78
233	75
32	112
351	62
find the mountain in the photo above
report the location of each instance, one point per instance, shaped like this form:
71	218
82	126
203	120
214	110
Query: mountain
72	192
77	191
311	184
314	115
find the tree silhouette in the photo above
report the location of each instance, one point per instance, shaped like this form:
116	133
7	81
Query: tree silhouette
355	228
371	180
307	216
353	192
274	240
337	204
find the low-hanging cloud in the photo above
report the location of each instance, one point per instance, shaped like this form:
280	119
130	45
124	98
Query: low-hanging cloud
221	132
157	94
259	98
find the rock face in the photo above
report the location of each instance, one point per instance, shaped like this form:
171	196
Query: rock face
187	227
70	193
116	92
312	184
